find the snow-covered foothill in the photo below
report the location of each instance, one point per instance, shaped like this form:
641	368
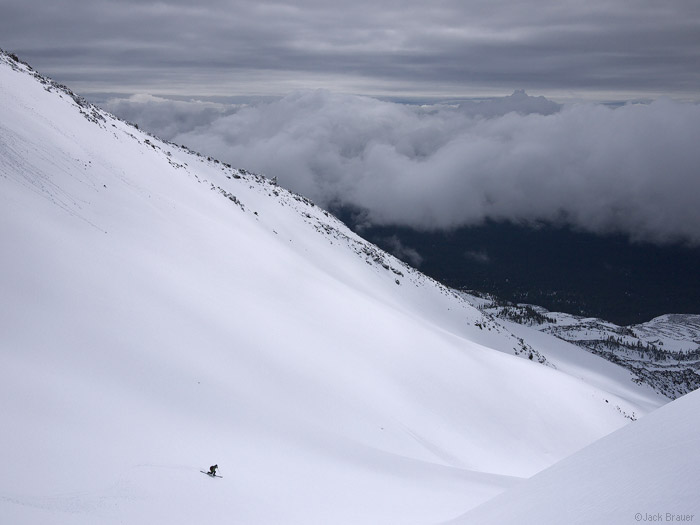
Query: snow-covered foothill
663	353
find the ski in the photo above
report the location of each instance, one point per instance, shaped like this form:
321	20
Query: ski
210	474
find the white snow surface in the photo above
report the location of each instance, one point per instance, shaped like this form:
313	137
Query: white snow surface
646	472
161	312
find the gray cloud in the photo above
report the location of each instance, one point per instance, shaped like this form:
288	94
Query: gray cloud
599	48
480	256
403	252
633	169
168	117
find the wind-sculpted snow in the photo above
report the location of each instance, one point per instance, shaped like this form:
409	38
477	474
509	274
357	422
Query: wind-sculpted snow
162	311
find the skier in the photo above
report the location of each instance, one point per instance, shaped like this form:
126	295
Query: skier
212	470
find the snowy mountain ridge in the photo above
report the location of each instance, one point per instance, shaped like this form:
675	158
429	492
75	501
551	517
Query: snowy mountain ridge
162	311
321	220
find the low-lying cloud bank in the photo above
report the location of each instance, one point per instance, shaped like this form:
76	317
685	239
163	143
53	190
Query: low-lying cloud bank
633	169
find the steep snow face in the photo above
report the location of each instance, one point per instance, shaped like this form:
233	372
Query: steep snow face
645	472
161	312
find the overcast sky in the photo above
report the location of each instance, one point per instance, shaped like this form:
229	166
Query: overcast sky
314	93
600	49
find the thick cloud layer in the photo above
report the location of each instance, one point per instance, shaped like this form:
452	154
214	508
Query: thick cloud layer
168	117
634	169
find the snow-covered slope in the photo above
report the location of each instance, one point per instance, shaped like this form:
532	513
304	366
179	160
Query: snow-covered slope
161	312
646	472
